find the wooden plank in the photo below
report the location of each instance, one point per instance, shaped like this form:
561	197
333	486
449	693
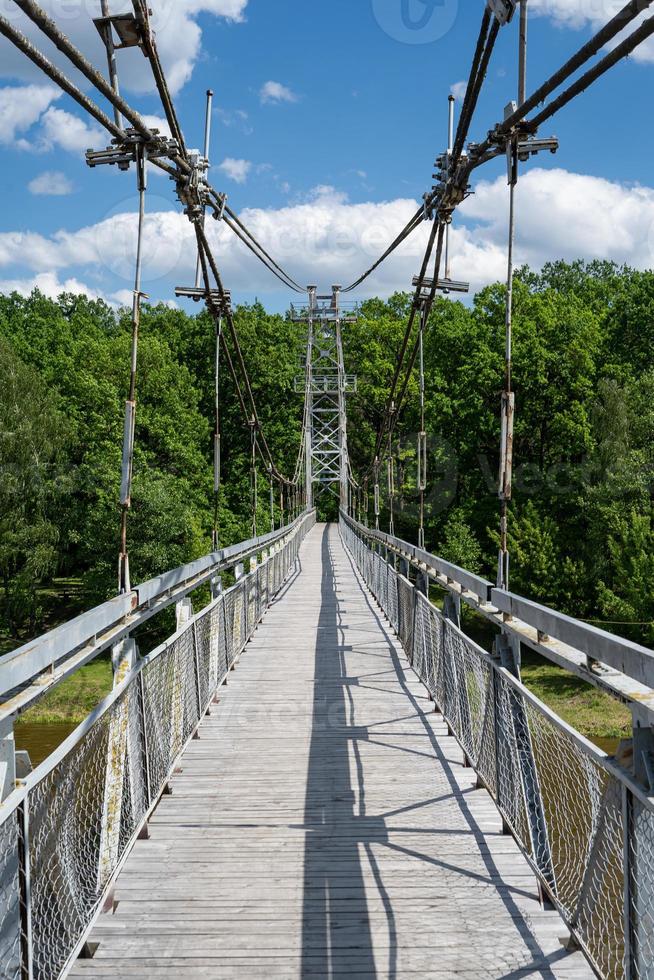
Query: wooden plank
324	824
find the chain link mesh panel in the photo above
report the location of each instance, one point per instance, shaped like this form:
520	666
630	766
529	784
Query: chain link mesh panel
564	804
86	808
10	907
641	888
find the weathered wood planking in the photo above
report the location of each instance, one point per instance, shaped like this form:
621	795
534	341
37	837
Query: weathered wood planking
324	824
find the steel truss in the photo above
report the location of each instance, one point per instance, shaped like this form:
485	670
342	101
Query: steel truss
326	387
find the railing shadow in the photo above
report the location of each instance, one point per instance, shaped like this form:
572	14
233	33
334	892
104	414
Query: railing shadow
542	963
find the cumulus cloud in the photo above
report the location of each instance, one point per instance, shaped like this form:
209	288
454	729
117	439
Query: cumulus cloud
237	170
63	129
275	92
175	22
22	106
326	238
49	284
51	183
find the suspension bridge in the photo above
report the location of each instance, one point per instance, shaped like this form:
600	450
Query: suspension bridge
320	774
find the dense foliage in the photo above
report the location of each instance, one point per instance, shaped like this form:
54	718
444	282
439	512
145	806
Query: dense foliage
582	528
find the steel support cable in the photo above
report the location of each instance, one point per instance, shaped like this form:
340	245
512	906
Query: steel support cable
215	312
217	449
254	487
204	247
150	48
484	48
288	282
408	229
474	92
56	75
405	344
124	584
50	29
474	70
422	435
235	218
623	50
589	50
428	307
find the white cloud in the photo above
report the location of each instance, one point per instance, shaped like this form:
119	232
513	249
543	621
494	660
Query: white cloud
157	122
63	129
51	183
22	106
275	92
326	238
458	90
175	22
49	284
594	13
237	170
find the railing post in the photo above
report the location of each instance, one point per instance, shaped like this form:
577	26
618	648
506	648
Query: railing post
639	888
145	739
7	758
216	587
124	657
183	612
643	745
24	925
198	685
630	972
509	649
452	609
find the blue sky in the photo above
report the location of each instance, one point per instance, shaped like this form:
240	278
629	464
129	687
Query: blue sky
327	119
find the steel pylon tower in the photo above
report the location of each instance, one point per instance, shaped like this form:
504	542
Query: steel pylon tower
326	387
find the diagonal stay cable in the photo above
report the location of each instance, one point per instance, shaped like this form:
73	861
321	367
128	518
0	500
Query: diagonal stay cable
51	31
56	75
142	13
623	50
204	244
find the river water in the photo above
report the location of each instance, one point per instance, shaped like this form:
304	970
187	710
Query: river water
40	740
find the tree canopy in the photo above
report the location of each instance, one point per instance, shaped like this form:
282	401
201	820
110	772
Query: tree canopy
581	529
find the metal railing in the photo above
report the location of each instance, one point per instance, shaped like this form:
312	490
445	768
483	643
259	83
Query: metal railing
66	831
585	825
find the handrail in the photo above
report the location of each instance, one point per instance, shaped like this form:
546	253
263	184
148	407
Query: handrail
39	665
66	830
582	821
621	668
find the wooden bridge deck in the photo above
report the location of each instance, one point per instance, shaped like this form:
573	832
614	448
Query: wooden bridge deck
324	824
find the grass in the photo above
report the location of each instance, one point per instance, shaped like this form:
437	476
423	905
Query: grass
598	716
73	699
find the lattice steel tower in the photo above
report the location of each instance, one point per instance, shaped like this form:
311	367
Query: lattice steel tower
326	386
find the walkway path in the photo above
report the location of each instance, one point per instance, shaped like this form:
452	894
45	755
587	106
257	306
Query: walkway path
324	824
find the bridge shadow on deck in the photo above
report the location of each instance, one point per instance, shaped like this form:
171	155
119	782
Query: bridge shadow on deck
335	905
337	936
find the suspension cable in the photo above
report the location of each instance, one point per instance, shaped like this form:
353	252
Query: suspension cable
124	584
238	221
217	438
422	435
150	48
56	75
